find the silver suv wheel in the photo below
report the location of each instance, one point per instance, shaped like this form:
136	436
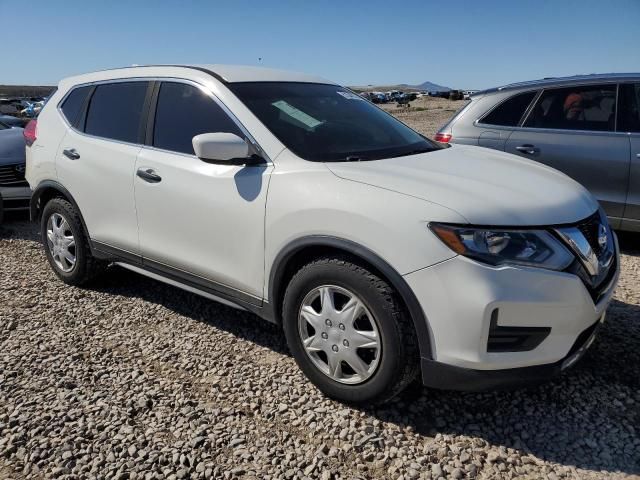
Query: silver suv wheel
61	242
339	334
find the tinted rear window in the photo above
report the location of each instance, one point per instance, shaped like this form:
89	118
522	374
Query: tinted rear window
575	108
509	112
73	104
115	111
183	112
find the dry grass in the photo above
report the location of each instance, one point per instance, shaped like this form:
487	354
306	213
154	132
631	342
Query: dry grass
427	114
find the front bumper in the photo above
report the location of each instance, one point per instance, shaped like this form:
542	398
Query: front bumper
15	198
449	377
461	297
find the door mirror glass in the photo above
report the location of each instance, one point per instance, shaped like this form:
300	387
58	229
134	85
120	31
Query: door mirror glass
221	147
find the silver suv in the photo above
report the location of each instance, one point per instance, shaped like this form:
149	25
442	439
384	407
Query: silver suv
585	126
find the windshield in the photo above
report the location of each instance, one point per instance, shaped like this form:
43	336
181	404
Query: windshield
327	123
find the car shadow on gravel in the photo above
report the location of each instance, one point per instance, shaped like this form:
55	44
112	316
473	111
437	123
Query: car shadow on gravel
16	226
629	243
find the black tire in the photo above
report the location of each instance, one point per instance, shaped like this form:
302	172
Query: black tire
399	360
86	266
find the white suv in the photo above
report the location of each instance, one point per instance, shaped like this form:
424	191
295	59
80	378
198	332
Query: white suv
379	252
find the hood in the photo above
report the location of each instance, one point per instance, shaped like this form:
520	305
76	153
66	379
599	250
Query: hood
12	146
487	187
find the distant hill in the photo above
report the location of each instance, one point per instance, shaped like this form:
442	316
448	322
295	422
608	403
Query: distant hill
432	87
24	90
424	86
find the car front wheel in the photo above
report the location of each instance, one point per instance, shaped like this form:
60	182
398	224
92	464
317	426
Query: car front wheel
349	332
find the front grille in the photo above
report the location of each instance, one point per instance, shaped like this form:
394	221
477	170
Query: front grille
589	228
597	285
12	175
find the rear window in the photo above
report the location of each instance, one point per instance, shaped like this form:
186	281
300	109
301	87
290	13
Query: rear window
575	108
73	104
115	111
509	112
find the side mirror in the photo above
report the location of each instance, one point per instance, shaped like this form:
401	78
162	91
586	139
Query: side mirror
221	147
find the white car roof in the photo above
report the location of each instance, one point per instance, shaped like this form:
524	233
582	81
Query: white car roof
224	73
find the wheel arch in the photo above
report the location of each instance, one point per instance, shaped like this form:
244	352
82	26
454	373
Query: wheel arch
303	250
45	191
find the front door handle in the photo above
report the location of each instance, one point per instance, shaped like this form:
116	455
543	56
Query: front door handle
528	149
149	175
71	154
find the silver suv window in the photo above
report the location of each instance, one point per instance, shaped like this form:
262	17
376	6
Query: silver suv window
590	107
510	112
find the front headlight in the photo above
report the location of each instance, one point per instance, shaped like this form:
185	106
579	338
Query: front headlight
495	246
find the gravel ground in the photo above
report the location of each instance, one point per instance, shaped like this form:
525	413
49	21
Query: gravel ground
131	378
426	114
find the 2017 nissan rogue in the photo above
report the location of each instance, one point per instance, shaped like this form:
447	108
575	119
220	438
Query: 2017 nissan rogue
381	254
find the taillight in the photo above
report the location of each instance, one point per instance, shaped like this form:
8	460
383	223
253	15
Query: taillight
30	132
442	137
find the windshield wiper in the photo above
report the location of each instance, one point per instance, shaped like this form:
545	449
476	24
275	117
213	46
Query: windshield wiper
354	158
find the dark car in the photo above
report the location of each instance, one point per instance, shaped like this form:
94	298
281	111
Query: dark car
14	189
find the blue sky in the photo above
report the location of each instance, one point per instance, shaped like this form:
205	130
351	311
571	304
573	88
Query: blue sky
474	44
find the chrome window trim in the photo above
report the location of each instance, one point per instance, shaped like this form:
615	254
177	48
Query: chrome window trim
187	81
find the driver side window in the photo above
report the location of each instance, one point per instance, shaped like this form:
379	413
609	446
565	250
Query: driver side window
184	111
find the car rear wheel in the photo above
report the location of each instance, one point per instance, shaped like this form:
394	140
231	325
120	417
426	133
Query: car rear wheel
66	245
349	332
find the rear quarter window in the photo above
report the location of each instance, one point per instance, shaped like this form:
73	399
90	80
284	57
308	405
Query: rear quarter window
73	104
510	112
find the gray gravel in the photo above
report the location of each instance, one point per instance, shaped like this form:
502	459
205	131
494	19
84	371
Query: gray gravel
135	379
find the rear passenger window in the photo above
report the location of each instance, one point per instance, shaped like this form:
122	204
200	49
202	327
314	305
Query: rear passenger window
73	104
115	111
510	112
575	108
629	106
183	112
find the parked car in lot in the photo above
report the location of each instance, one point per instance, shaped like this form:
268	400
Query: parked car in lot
574	124
14	190
380	253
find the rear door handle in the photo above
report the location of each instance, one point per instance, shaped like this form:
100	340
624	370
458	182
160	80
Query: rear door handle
149	175
71	154
528	149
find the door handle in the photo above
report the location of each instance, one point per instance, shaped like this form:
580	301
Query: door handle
638	155
71	154
149	175
528	149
